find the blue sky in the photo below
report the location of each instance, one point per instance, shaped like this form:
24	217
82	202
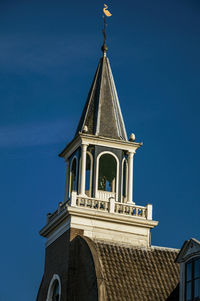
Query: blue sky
49	52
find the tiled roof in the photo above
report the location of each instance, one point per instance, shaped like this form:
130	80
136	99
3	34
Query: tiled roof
102	114
139	274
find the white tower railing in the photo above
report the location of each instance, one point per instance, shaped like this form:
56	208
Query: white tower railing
107	206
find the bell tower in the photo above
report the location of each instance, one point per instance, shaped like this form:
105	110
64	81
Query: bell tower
98	203
100	157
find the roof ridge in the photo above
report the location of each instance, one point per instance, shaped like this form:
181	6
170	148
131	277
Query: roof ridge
165	248
129	245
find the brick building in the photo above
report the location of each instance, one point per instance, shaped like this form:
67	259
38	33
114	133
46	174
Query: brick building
98	243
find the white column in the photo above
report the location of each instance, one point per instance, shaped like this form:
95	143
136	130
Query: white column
83	169
112	205
130	177
149	211
73	199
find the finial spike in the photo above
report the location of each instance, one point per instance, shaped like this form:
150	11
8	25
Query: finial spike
106	12
104	48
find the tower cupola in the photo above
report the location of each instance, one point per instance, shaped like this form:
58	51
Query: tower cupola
99	174
100	157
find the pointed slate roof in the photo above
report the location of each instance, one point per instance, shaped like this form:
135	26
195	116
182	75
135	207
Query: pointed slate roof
102	114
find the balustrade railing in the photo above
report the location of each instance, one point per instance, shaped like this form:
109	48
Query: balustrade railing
109	206
105	195
131	210
92	203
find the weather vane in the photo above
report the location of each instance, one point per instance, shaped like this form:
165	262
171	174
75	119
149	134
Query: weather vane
106	14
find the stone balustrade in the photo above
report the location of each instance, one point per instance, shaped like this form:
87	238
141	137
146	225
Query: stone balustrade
105	195
131	210
92	203
109	206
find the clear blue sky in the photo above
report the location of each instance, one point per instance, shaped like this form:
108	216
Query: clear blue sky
49	51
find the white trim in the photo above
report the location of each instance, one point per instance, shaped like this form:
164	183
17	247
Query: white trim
51	287
82	172
99	140
91	169
130	177
97	172
122	180
74	158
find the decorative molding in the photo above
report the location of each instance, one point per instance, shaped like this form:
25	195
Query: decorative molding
189	249
98	140
100	225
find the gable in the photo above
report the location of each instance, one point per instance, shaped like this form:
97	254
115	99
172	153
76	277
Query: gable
190	248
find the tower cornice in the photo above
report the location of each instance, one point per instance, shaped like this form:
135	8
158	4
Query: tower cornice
83	138
101	223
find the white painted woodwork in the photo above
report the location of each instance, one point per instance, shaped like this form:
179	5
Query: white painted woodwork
83	168
130	177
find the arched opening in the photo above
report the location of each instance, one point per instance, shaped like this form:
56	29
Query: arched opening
54	290
55	294
73	178
88	180
124	180
107	173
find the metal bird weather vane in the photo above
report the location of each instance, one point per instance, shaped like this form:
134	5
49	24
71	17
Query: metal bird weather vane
106	11
106	14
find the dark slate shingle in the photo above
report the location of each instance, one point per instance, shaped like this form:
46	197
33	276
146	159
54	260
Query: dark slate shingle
102	114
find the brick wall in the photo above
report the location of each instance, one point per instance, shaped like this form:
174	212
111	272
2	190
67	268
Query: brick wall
71	259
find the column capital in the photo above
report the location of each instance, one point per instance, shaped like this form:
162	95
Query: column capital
131	153
84	146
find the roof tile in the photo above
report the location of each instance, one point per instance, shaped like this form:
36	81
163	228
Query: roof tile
139	274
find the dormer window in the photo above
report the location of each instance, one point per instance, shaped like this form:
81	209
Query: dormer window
192	280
